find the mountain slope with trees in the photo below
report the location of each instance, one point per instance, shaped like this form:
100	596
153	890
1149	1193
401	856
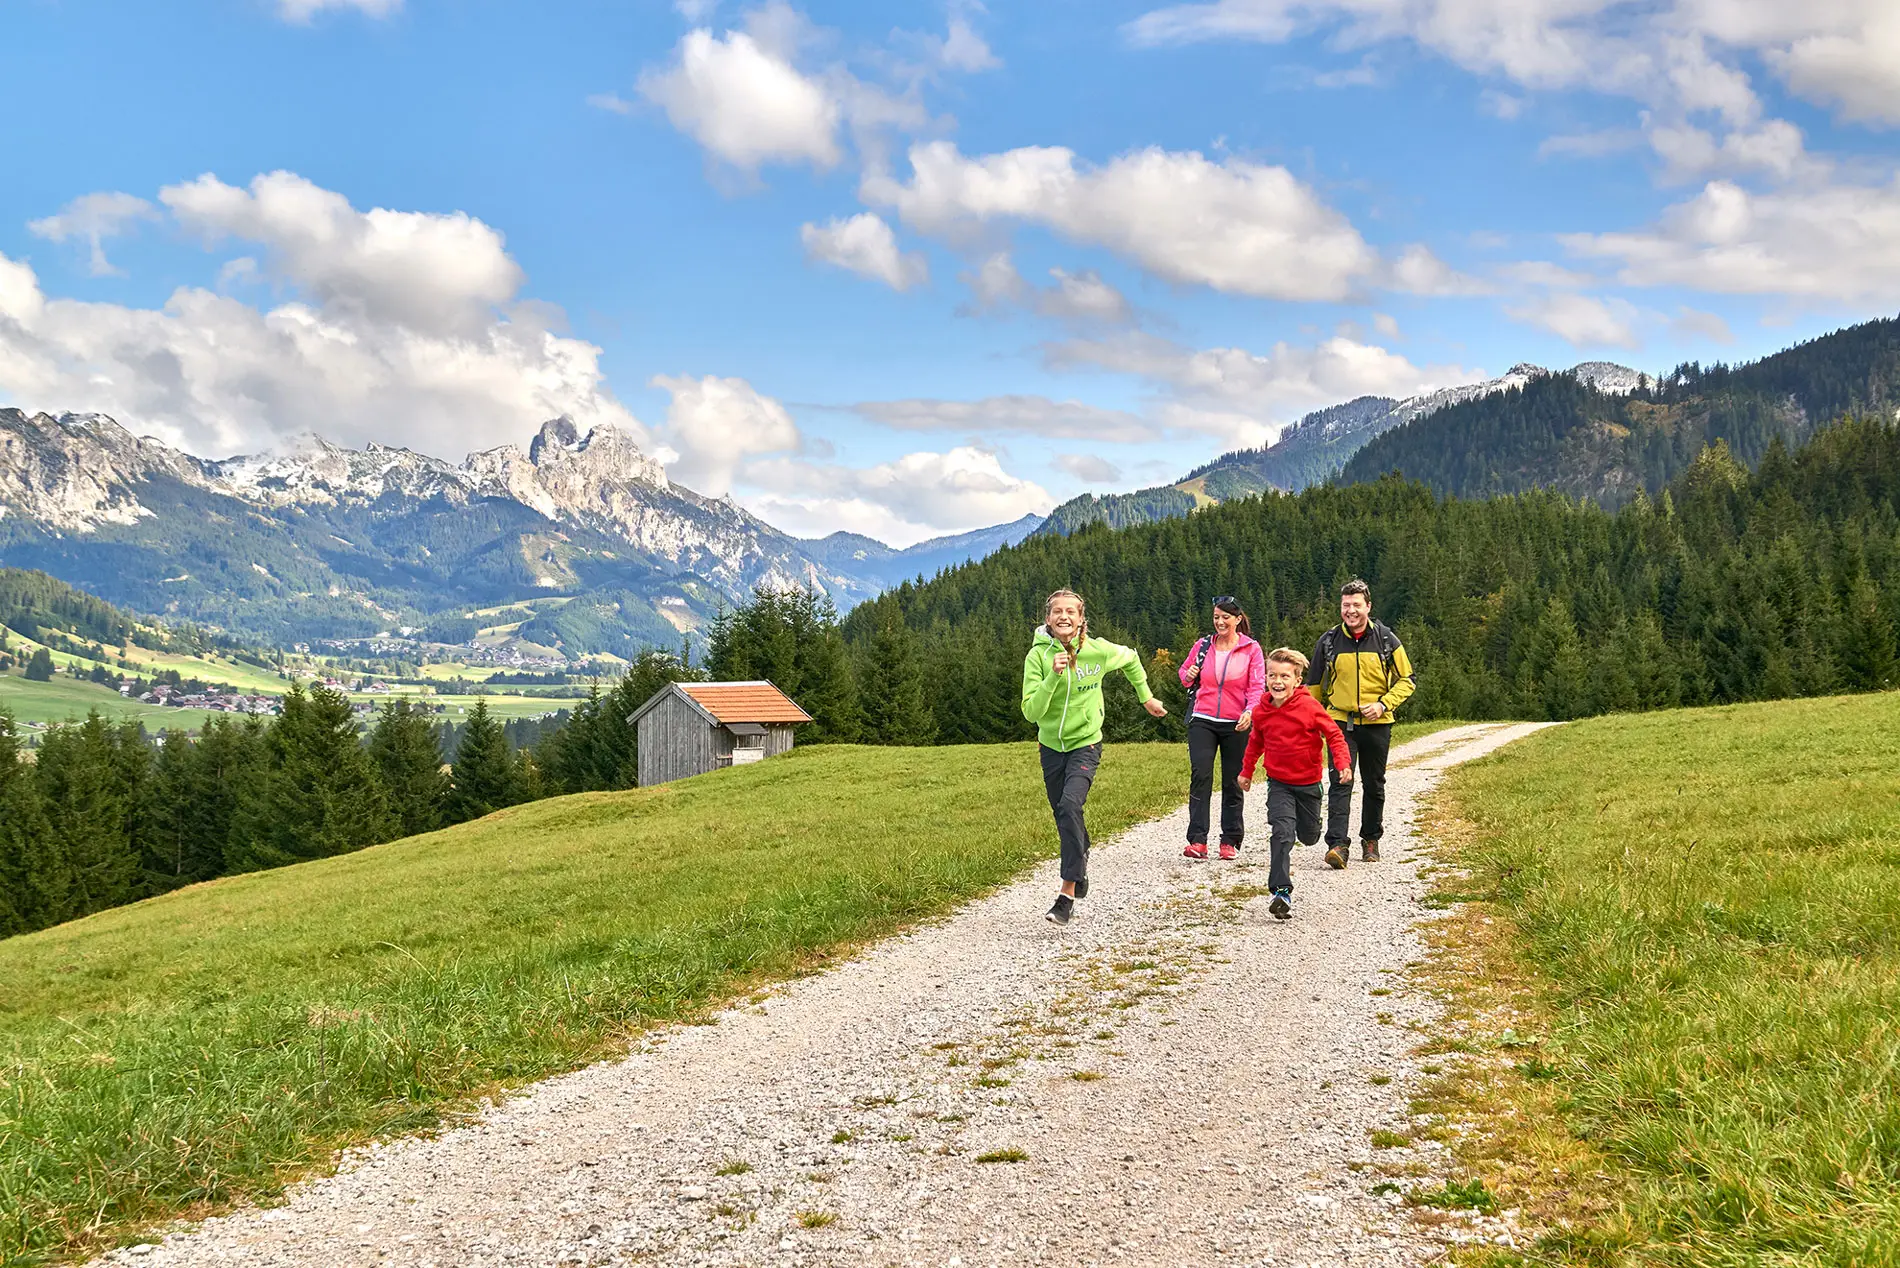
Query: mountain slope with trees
1560	432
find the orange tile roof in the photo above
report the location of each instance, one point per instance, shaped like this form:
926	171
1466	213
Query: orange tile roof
745	702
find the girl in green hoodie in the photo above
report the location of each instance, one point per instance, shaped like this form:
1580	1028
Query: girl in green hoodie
1062	695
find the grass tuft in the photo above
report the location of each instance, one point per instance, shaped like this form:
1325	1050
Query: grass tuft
1011	1154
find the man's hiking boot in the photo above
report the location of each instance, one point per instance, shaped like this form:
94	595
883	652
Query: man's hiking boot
1063	909
1337	856
1082	888
1196	850
1228	850
1281	905
1369	851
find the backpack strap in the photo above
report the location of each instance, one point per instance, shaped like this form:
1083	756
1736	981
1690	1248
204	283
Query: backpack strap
1201	650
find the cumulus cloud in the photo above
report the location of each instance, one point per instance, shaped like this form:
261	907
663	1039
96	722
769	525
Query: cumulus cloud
901	502
865	245
1247	398
1027	415
1837	242
92	218
745	102
1418	272
302	11
1089	468
1236	226
716	425
1585	321
403	327
1080	298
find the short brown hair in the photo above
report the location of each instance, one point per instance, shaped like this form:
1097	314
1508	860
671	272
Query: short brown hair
1287	656
1356	586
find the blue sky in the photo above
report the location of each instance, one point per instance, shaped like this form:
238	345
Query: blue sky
914	268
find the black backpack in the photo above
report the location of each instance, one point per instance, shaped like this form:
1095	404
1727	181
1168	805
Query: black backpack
1385	643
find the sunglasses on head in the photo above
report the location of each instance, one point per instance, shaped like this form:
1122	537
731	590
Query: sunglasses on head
1227	603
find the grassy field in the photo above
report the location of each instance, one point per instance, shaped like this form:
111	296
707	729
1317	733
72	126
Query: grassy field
203	1046
65	699
1708	903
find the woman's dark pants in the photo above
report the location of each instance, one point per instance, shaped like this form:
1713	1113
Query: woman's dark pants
1205	738
1067	777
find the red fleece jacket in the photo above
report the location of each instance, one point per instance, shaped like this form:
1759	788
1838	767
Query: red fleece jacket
1288	736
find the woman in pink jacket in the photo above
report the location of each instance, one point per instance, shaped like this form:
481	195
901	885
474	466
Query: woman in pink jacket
1225	675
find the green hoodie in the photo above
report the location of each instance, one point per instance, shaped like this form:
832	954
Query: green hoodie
1067	707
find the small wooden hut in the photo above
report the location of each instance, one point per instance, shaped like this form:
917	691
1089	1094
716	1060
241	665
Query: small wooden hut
689	728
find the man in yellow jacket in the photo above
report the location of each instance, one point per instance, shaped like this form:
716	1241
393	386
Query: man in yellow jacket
1361	673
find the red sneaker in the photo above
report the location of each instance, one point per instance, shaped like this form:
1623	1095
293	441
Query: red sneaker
1196	850
1228	851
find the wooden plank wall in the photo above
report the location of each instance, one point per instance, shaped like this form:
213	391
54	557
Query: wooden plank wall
675	742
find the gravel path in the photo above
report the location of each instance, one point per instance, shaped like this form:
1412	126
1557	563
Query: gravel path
1176	1078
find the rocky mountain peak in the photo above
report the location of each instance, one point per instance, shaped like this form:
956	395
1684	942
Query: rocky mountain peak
555	433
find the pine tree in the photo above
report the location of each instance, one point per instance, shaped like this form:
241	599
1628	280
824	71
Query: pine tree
408	758
1867	652
86	805
39	667
318	794
893	707
486	776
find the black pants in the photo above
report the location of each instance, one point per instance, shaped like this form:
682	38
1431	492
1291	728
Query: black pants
1292	815
1067	778
1369	746
1205	738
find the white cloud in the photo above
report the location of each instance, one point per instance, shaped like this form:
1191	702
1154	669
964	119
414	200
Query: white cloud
400	327
865	245
695	11
1596	144
93	218
1691	323
1089	468
1500	105
437	272
1544	273
1083	297
995	284
1246	398
1385	325
1775	148
716	425
1418	272
746	102
611	102
901	502
1236	226
302	11
1030	415
963	49
1584	321
1833	241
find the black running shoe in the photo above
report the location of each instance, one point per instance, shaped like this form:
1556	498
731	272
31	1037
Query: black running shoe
1063	909
1082	888
1281	905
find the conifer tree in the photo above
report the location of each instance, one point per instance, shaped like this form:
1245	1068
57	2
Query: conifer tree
1867	651
486	776
891	677
86	805
317	794
39	666
408	757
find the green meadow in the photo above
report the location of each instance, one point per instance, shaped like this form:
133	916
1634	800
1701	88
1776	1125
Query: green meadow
206	1045
1710	899
69	700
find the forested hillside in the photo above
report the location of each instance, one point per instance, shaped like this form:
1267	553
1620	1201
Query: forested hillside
1559	433
1729	586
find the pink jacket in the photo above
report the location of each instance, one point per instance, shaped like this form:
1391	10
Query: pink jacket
1225	696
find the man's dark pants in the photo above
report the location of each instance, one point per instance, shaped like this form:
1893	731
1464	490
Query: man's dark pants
1067	777
1369	746
1206	737
1292	815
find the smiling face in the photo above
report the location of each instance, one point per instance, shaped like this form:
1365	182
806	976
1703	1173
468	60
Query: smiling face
1354	610
1065	617
1224	622
1282	678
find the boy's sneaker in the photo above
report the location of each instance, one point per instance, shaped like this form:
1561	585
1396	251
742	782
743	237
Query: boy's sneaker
1281	905
1082	888
1369	851
1337	856
1229	851
1196	850
1063	909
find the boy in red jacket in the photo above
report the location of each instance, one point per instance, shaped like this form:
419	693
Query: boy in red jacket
1288	726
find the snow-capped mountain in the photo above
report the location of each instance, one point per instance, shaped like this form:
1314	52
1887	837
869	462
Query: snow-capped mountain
319	535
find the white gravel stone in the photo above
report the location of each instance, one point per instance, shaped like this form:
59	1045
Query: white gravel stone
1233	1053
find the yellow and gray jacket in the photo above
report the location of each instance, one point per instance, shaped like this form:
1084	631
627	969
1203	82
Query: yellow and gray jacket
1348	673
